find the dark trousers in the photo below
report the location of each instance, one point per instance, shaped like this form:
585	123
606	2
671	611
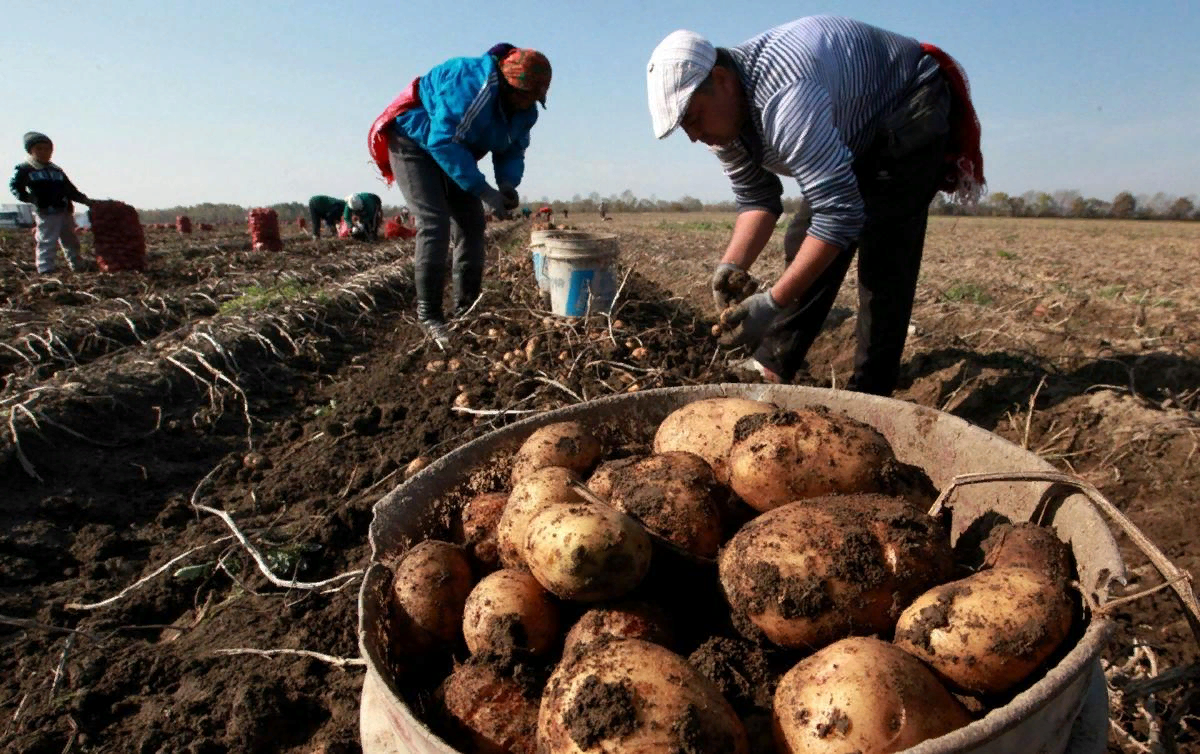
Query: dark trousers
896	192
316	217
437	204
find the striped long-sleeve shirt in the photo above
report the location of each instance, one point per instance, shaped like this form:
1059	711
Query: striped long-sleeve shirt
817	89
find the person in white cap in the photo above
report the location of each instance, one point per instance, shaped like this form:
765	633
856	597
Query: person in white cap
363	215
872	125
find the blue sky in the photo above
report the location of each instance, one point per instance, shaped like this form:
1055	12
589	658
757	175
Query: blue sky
259	102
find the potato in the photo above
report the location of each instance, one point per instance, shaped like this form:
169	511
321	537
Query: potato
706	429
627	695
863	695
601	480
586	551
492	711
631	620
480	519
791	455
541	488
988	632
1027	545
676	496
509	610
811	572
566	444
430	589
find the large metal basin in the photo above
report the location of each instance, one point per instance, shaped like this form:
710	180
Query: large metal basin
1066	711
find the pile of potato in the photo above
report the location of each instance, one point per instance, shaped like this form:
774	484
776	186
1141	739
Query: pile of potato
761	581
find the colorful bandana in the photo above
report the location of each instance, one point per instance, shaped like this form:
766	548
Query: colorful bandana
527	70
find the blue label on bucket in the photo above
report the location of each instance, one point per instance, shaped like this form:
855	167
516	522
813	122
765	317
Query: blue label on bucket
596	285
539	270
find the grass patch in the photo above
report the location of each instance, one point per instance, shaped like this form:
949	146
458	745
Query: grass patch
1006	254
259	298
696	225
1111	291
968	292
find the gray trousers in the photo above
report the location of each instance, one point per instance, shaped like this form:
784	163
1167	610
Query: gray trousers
54	228
439	204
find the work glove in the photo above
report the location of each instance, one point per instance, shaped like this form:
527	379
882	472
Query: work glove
512	199
731	284
495	202
750	321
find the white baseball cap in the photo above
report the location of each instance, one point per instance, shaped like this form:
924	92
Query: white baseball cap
677	66
355	201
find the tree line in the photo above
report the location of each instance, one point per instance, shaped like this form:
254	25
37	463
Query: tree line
1125	206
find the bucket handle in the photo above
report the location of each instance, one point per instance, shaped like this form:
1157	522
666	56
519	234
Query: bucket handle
1178	579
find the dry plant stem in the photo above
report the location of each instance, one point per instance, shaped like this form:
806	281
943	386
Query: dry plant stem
25	623
1179	580
337	662
262	563
62	663
119	595
1029	414
26	464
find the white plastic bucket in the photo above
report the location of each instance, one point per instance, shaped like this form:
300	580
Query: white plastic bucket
537	244
582	273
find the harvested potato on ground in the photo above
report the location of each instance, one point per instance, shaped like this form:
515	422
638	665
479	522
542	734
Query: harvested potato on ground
586	552
811	572
601	479
566	444
543	487
429	591
1027	545
626	695
509	610
676	496
480	519
863	695
706	429
490	710
988	632
630	620
785	456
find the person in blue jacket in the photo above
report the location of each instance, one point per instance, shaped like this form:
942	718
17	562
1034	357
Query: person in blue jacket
454	115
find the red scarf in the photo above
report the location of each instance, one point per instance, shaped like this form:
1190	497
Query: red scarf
377	142
964	174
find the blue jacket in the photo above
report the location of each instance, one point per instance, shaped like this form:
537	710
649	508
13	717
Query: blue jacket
460	120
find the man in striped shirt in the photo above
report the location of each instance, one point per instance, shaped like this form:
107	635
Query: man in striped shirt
862	119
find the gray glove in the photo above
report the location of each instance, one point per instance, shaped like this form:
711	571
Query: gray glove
495	202
753	319
731	284
512	199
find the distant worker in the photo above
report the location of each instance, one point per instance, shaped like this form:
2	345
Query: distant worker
545	213
327	209
603	210
871	124
429	143
44	185
526	212
363	215
566	213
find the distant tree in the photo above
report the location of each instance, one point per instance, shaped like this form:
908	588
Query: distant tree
1077	208
1016	206
1064	201
1123	205
1097	208
1182	209
997	204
